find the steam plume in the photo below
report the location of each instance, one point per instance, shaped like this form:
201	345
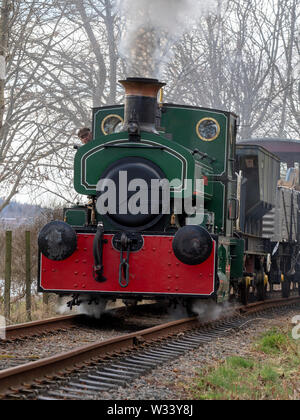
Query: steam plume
152	28
91	309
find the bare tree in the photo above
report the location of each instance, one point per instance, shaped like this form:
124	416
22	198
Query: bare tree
62	59
289	70
82	71
234	60
4	27
28	131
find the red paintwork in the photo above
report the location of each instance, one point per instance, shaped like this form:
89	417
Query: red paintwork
153	270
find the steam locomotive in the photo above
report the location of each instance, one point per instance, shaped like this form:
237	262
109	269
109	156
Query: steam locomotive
133	243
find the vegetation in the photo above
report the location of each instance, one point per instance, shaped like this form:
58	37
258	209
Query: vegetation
39	309
270	372
17	290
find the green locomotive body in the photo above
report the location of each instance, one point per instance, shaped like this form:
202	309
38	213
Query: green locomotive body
183	145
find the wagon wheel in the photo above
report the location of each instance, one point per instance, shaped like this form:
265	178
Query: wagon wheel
261	285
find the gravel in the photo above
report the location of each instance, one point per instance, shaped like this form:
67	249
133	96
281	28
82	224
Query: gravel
169	382
34	348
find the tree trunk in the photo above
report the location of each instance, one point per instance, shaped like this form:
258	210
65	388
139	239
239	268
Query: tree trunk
4	27
28	276
7	279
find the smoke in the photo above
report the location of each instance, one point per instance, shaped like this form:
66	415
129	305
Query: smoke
211	311
177	312
206	310
92	309
153	27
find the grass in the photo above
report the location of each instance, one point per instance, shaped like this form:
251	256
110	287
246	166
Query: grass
273	342
271	371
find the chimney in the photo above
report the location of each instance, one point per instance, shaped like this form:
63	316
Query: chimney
141	102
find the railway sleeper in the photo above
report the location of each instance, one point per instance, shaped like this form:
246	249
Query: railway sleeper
108	379
88	386
162	354
141	361
61	395
123	373
151	357
180	349
184	344
128	368
96	383
73	391
140	364
114	375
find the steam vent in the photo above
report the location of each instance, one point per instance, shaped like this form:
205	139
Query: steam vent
141	101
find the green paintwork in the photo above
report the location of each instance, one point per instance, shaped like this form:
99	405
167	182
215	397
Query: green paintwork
237	250
182	123
222	254
100	113
76	216
178	134
93	159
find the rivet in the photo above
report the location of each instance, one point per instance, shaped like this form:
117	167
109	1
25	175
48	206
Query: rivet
77	261
53	270
84	261
84	274
75	272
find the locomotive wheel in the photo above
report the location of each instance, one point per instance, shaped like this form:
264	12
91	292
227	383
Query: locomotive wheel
244	292
261	291
285	289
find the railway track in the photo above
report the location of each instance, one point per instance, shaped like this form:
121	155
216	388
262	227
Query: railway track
35	328
61	323
66	322
103	366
